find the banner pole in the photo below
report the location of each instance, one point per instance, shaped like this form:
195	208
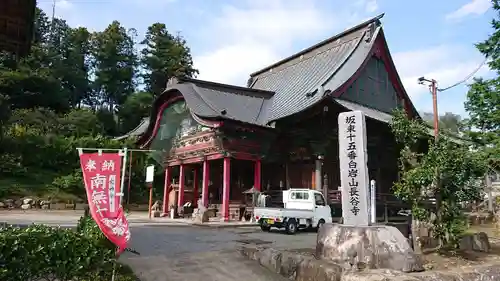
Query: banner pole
150	200
114	272
124	169
129	178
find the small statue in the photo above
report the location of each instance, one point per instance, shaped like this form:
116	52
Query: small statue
156	206
156	209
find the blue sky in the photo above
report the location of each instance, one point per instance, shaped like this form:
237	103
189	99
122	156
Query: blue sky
230	39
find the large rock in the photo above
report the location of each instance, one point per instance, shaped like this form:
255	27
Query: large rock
370	247
26	206
285	263
478	242
299	267
9	203
318	270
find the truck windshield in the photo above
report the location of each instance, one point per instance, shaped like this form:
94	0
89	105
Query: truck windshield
318	198
299	196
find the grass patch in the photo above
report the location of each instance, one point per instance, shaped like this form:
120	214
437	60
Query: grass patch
452	258
35	185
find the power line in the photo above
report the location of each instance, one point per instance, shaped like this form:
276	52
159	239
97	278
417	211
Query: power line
466	78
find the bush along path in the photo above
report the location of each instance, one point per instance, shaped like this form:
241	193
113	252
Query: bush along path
41	252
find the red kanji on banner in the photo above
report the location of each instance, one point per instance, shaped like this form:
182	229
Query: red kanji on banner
101	175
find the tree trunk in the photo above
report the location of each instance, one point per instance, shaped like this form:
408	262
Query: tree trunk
415	236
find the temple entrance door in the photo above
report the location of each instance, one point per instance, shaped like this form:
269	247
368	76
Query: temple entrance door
301	175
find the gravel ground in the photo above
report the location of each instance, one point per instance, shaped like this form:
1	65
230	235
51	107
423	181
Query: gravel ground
187	253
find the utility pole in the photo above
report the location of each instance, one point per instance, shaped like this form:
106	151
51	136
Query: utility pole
53	16
53	9
433	89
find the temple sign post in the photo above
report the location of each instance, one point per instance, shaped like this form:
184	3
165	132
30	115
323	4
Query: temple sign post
150	172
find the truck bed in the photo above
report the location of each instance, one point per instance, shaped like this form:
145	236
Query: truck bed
264	212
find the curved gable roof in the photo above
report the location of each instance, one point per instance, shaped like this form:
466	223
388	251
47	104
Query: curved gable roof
299	80
211	101
214	100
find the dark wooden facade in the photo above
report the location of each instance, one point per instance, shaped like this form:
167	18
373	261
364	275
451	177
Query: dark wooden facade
229	142
16	25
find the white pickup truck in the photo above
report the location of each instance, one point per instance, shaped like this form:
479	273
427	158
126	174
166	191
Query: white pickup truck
303	208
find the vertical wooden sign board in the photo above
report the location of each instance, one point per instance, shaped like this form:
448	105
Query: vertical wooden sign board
353	168
150	174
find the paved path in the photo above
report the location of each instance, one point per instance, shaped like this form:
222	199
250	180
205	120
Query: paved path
70	218
175	252
195	253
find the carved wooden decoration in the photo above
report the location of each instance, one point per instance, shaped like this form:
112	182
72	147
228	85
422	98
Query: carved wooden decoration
16	25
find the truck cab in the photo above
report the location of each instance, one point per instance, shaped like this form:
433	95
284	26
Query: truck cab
303	208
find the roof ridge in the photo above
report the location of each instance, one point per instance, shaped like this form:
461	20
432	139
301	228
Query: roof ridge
374	35
319	53
209	104
320	44
228	86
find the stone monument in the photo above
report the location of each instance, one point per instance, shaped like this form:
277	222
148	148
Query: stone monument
358	244
353	161
200	214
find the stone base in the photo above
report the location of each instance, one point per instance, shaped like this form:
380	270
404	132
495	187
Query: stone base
201	214
294	266
370	247
155	214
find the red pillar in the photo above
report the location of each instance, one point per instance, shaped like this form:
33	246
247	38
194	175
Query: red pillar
225	188
166	187
180	197
206	180
257	175
195	186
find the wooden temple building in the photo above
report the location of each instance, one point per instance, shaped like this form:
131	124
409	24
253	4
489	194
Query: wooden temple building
16	25
280	131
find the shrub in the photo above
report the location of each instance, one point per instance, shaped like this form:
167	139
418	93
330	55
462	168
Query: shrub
88	227
41	252
72	183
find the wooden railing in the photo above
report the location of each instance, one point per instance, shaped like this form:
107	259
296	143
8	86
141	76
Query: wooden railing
335	197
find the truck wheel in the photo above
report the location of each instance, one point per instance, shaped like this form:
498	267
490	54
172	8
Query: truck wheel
265	228
291	226
320	224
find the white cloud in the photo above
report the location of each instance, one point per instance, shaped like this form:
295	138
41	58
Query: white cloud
371	6
441	63
233	63
262	32
474	7
63	4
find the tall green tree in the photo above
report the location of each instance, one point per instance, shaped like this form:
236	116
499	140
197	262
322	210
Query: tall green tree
76	66
483	99
164	56
136	107
42	27
115	63
449	121
420	158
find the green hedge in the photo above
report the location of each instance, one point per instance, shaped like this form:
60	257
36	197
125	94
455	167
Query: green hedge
41	252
